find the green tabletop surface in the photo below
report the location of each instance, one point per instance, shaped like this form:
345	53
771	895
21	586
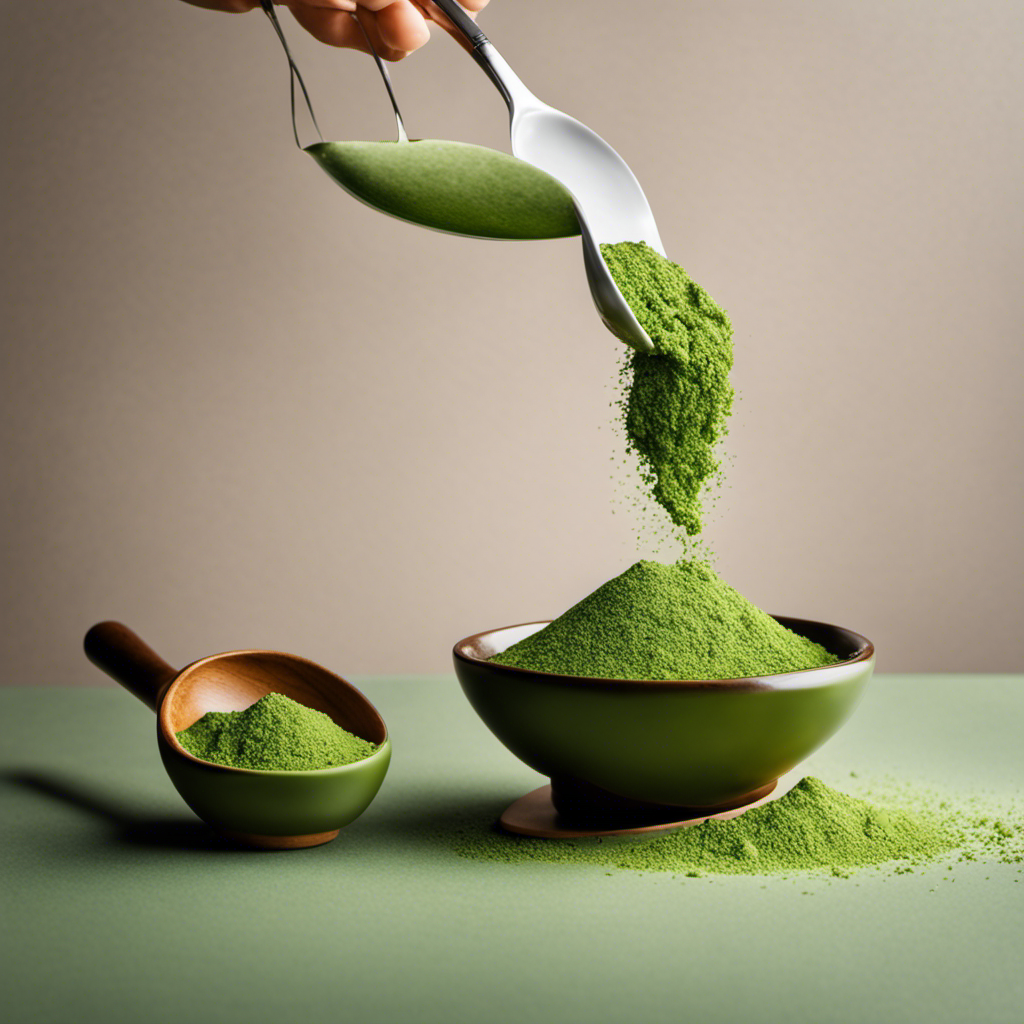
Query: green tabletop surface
119	905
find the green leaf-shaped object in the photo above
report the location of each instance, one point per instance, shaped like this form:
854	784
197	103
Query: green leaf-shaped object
451	186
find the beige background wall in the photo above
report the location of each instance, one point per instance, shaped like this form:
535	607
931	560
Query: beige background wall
243	410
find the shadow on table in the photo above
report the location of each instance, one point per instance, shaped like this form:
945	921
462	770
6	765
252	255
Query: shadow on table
435	821
440	820
133	830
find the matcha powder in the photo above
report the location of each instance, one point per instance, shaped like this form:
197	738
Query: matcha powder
812	827
274	734
659	621
677	398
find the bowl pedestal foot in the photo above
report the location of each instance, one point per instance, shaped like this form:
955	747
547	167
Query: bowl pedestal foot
279	842
569	809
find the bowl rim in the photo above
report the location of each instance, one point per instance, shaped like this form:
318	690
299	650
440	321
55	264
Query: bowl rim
167	735
798	679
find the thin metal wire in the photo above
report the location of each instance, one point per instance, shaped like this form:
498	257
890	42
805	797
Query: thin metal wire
296	76
402	134
294	73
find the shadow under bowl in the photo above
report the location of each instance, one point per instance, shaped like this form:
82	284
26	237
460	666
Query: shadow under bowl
622	749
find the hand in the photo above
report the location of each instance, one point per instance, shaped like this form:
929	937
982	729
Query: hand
396	27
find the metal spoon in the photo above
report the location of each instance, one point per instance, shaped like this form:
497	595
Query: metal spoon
610	204
448	186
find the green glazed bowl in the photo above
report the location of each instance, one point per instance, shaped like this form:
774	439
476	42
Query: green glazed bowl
272	809
620	745
282	809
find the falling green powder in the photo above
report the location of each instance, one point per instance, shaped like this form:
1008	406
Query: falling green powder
812	827
276	734
665	622
677	398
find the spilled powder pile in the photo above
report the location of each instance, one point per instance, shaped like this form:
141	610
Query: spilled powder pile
985	829
665	622
677	398
810	828
274	734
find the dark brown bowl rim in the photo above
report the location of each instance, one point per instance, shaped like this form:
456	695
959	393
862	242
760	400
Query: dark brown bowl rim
782	681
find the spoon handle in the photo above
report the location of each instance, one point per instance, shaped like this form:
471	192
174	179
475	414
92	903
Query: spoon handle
452	17
126	657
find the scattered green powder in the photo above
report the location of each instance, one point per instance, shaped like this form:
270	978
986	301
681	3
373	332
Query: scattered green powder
986	829
452	186
677	398
659	621
274	734
810	828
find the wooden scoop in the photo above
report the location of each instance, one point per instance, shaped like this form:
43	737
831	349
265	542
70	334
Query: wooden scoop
278	809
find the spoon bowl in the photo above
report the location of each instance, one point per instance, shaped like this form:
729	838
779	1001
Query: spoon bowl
479	193
453	187
270	809
610	204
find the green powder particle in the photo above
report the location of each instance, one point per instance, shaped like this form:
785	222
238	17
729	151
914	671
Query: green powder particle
659	621
987	828
678	397
812	827
274	734
452	186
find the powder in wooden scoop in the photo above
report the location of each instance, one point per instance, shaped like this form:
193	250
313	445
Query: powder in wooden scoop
274	734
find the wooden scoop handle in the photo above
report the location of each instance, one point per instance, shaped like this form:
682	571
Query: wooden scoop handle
126	657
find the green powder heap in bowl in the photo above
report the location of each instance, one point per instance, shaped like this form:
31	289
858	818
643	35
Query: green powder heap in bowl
659	621
274	734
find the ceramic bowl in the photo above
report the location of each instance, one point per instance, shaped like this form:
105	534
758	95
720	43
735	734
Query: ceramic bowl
614	744
271	808
274	809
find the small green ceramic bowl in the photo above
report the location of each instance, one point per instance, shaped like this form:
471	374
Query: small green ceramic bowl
273	809
277	809
612	746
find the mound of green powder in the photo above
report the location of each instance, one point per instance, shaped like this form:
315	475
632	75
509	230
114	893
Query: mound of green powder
677	398
659	621
274	734
452	186
812	827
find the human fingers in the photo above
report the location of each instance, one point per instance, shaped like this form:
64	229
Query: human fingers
333	27
432	13
242	6
474	7
371	24
228	6
402	26
339	28
421	9
331	5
